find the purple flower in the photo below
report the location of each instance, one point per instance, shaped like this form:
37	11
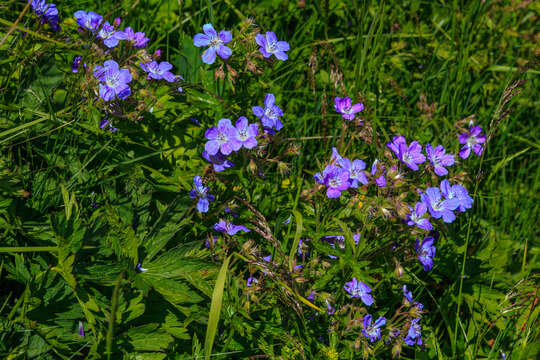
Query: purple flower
75	64
229	228
110	36
458	192
438	206
201	192
439	159
81	329
270	115
472	140
159	71
251	280
215	42
90	21
270	45
416	217
211	240
311	296
330	310
113	81
409	299
408	296
140	268
426	252
221	138
343	106
267	258
411	155
414	336
336	180
47	12
247	134
380	180
355	171
359	290
138	39
106	122
219	160
372	331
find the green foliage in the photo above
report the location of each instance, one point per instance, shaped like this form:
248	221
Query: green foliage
98	227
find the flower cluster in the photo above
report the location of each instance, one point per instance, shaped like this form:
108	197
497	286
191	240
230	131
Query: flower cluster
343	173
269	45
200	192
47	12
343	106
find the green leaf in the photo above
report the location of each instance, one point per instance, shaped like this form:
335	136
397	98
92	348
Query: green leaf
215	308
292	254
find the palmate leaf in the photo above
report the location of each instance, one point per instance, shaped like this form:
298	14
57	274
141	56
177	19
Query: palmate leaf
148	337
174	291
123	240
175	264
165	228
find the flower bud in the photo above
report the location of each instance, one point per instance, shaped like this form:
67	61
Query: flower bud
117	22
396	350
157	54
252	167
398	272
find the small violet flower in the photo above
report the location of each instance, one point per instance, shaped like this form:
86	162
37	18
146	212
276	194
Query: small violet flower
372	331
247	134
215	42
343	106
113	81
409	301
416	217
270	45
89	21
47	12
270	115
438	206
159	71
138	39
251	280
110	36
201	192
439	159
472	140
414	336
411	155
330	310
356	174
426	252
459	192
335	179
358	289
103	123
229	228
81	329
221	138
218	160
378	169
75	64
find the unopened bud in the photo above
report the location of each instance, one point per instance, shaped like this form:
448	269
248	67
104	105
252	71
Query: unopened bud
157	54
117	21
398	270
220	74
252	167
396	350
